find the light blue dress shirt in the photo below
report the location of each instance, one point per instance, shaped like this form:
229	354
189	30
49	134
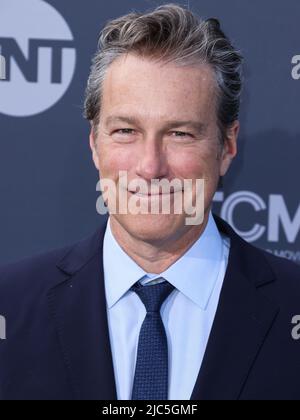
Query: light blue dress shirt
188	313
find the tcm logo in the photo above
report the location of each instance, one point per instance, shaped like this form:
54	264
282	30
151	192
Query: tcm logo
40	57
2	328
296	67
279	219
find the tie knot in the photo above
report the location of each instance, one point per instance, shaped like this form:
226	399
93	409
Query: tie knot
153	296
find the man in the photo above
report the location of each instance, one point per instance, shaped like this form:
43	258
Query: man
150	307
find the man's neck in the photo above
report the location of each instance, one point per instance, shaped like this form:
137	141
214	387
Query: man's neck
159	257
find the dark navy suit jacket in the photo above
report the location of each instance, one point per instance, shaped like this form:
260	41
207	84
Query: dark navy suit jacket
58	347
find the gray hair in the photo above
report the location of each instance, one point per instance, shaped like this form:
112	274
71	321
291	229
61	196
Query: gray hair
169	33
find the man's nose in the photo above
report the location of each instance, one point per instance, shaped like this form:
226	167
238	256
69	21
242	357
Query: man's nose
152	162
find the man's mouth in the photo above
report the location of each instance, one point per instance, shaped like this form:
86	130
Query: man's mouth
139	194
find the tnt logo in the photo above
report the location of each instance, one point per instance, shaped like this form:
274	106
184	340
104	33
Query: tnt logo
40	57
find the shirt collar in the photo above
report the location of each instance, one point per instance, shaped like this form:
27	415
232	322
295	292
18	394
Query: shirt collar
194	274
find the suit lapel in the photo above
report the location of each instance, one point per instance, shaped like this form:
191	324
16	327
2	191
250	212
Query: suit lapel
243	320
78	307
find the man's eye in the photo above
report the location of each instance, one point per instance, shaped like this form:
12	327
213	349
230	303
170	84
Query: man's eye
180	134
124	131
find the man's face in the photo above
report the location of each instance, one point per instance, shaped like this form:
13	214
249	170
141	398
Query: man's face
153	139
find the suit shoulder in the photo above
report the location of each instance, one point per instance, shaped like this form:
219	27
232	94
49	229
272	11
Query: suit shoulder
42	271
265	267
37	270
283	266
287	274
261	264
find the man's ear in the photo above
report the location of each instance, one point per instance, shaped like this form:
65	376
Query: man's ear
230	147
93	146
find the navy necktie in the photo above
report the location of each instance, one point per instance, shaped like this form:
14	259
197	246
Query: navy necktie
151	372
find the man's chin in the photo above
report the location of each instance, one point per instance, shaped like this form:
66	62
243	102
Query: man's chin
151	227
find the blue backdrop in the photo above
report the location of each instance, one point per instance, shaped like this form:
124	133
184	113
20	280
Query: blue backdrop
47	178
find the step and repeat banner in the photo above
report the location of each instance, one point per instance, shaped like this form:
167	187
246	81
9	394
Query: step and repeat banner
47	177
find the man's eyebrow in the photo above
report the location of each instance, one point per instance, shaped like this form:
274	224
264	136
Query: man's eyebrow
199	126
